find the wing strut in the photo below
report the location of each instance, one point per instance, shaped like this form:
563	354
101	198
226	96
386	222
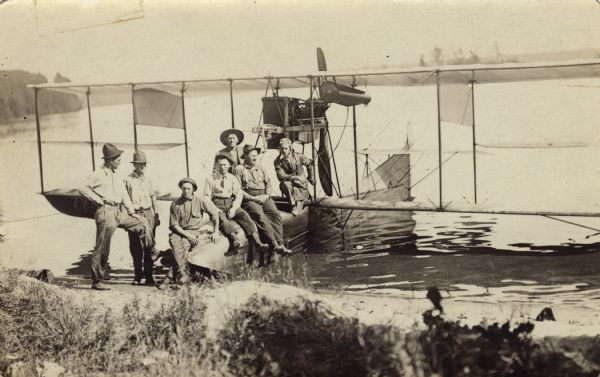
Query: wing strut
39	137
135	138
185	138
89	111
474	141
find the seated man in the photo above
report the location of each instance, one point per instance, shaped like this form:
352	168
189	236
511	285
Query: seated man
256	186
232	138
187	218
289	167
225	191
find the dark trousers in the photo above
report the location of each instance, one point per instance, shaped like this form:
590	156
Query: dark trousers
267	219
142	256
241	216
108	218
181	246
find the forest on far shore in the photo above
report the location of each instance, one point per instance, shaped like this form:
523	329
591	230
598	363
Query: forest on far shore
17	100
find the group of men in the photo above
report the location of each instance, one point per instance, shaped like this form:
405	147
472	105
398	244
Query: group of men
239	190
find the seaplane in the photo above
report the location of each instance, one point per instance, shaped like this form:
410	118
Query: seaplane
164	105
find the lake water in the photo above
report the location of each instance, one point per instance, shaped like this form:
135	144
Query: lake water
491	257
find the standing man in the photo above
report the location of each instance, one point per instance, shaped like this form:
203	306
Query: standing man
232	139
289	167
143	198
107	190
224	189
256	186
188	214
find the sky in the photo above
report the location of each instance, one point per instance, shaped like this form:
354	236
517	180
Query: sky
147	40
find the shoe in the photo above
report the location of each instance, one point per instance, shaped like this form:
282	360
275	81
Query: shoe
100	287
235	241
282	249
164	285
136	282
231	252
150	282
154	254
234	245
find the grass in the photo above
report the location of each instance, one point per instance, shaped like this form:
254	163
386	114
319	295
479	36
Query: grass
263	337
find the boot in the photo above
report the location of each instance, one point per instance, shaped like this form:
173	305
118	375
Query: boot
297	208
234	245
256	238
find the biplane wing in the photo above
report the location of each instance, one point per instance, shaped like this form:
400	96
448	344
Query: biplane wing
479	73
168	97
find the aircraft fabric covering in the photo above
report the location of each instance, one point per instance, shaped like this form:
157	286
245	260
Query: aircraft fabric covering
455	104
155	107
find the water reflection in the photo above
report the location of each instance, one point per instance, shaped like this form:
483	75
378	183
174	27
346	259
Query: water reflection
371	250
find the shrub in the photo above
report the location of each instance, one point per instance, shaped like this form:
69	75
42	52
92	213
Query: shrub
304	339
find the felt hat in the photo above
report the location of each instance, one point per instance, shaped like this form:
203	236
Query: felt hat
249	148
238	133
139	157
109	151
226	156
188	180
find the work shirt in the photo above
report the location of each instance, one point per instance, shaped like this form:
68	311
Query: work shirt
292	165
192	214
253	178
224	187
139	188
103	184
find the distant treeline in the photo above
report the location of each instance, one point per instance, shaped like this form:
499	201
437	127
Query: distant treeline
17	100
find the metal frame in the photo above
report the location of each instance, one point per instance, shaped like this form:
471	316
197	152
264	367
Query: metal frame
312	132
472	82
89	111
439	127
311	84
185	138
39	138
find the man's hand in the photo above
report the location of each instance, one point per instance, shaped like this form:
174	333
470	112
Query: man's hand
231	212
193	240
261	198
108	202
156	220
214	237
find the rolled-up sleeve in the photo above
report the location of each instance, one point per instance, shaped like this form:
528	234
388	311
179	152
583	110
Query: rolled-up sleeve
268	186
237	193
174	216
208	207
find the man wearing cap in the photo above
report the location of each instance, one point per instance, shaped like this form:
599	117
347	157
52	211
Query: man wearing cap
256	186
108	191
232	139
143	197
224	189
188	214
289	167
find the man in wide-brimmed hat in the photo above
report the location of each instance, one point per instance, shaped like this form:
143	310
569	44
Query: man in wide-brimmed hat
232	140
224	189
108	191
186	220
289	167
256	186
143	198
